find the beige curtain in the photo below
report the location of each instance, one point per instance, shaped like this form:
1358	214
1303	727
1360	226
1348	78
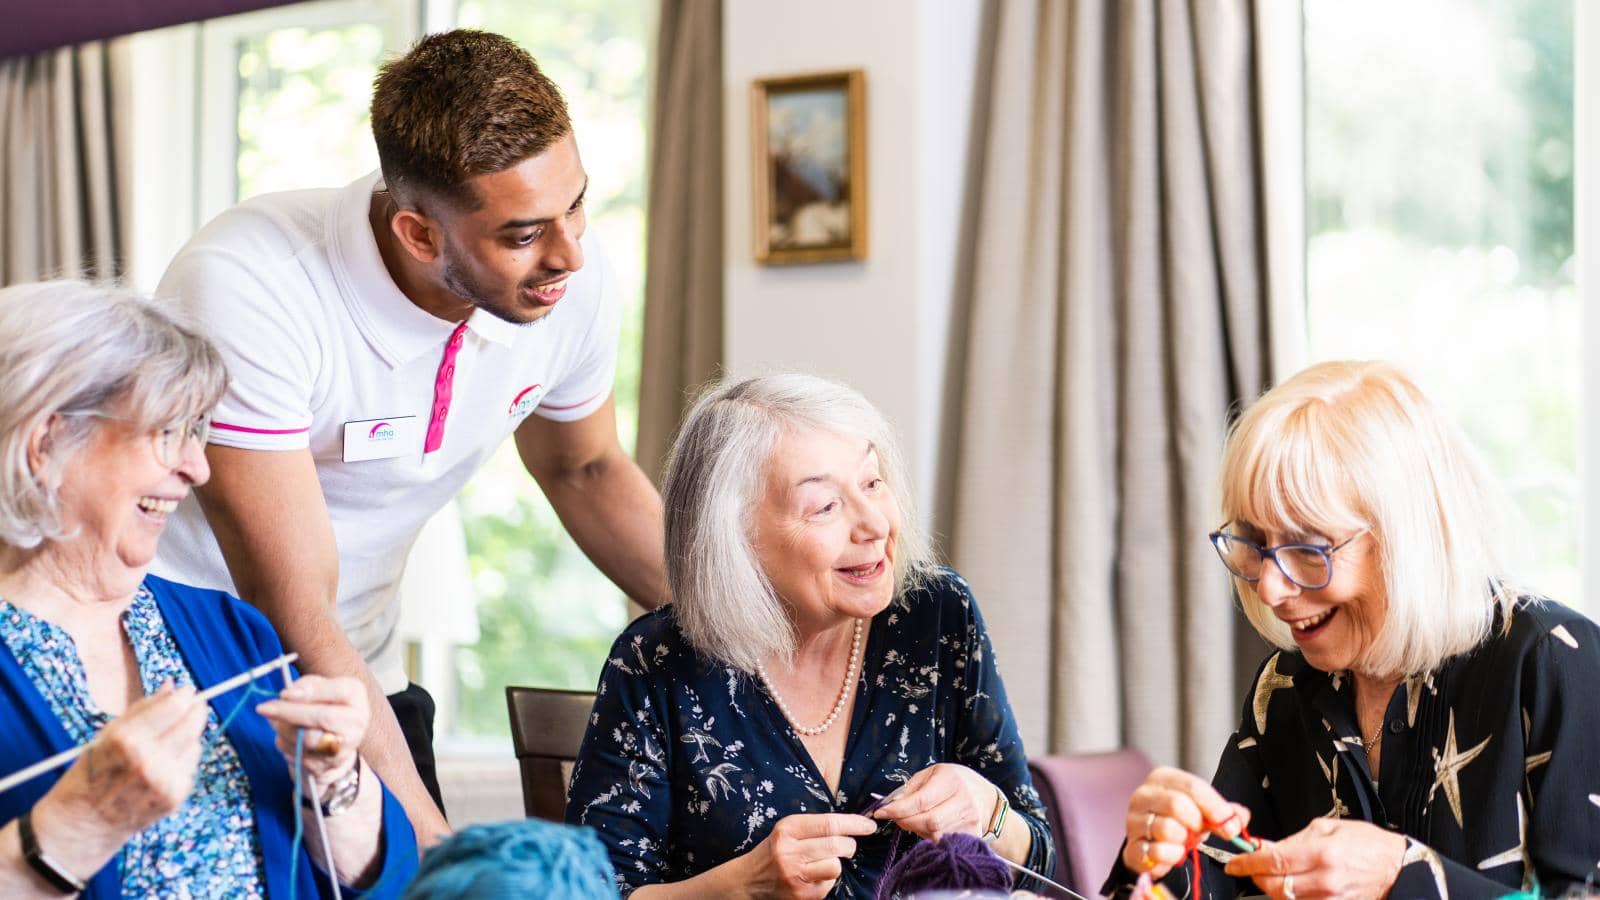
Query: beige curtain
63	184
683	268
1117	308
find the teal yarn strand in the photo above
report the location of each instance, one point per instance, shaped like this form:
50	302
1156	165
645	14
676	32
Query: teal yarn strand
523	858
299	811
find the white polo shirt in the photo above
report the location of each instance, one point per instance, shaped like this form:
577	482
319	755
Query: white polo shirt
324	351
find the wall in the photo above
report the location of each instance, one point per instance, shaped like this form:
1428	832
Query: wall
879	324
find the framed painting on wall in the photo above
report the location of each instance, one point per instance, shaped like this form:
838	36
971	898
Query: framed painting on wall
809	138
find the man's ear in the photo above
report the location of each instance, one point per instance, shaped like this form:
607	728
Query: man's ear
420	235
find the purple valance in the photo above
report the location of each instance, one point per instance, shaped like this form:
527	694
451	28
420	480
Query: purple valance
36	25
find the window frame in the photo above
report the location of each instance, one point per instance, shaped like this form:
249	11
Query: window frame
217	91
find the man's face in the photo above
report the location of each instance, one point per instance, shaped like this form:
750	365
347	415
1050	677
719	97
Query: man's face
513	254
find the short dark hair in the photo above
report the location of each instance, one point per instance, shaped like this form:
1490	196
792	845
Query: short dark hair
459	104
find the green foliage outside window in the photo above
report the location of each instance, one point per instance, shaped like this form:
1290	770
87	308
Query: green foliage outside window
1439	196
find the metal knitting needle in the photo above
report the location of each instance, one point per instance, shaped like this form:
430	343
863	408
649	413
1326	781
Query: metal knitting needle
1024	870
67	756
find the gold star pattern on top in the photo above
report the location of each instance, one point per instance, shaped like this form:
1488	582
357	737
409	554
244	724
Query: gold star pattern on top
1420	852
1269	681
1414	686
1532	761
1447	767
1517	854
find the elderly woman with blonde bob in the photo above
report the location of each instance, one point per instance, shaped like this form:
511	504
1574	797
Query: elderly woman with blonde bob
818	690
1424	729
103	419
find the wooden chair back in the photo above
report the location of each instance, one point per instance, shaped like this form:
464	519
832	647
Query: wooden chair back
547	729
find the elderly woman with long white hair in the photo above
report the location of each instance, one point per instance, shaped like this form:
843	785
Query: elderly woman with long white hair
817	689
103	420
1424	729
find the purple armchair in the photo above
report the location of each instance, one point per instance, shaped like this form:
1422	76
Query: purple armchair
1087	799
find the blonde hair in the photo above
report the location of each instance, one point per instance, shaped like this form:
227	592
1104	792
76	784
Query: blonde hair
724	602
1343	446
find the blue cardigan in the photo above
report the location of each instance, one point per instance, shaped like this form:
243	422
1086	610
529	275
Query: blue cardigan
219	637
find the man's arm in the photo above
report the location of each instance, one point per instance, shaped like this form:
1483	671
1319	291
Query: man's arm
267	511
602	496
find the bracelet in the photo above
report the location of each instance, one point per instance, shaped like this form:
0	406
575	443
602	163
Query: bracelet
997	819
41	863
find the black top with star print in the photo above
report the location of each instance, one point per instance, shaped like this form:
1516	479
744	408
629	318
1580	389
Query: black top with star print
1489	765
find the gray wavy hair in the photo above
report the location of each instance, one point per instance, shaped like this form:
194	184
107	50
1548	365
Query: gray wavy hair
724	602
76	347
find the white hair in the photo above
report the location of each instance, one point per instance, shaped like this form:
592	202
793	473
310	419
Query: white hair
1348	445
75	347
724	602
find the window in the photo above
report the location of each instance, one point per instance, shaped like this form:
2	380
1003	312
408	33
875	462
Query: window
284	95
1439	208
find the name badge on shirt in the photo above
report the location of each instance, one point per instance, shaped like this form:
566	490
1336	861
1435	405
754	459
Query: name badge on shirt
382	438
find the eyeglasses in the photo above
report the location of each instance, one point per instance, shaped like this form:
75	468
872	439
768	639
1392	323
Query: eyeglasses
169	442
1308	565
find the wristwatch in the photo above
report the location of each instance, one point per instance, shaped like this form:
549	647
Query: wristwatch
48	869
341	794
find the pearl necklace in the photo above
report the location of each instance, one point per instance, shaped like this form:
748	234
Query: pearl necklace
838	707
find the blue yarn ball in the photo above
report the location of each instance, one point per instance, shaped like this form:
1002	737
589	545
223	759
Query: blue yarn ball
525	858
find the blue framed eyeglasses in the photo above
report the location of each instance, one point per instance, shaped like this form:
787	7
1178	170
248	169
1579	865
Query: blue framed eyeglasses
1308	565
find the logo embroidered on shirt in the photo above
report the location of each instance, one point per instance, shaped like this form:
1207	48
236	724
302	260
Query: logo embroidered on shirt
526	400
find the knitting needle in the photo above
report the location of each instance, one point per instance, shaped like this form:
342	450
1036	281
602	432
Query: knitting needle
316	809
1024	870
66	756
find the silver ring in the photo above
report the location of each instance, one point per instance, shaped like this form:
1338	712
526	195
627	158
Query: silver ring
1288	887
1149	831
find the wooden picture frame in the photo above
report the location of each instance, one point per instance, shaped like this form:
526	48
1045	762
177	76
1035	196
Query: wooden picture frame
808	134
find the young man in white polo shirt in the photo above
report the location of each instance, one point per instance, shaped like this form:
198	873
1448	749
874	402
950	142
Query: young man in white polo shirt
382	341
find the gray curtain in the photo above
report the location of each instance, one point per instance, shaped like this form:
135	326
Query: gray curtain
683	268
63	184
1115	311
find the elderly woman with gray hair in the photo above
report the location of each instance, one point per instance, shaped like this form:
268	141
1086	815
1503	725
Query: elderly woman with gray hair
102	430
817	680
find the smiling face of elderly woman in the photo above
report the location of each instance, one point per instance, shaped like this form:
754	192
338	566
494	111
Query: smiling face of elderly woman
117	491
1337	624
825	528
1352	458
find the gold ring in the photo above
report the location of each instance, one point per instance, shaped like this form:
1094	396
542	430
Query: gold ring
1145	862
1149	831
330	745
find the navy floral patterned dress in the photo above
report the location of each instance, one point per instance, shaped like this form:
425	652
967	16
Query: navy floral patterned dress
208	848
687	764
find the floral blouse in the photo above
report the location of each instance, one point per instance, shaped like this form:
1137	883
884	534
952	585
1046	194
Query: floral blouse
1488	764
209	846
687	764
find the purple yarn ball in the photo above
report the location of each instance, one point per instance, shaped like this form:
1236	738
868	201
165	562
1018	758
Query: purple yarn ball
957	862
